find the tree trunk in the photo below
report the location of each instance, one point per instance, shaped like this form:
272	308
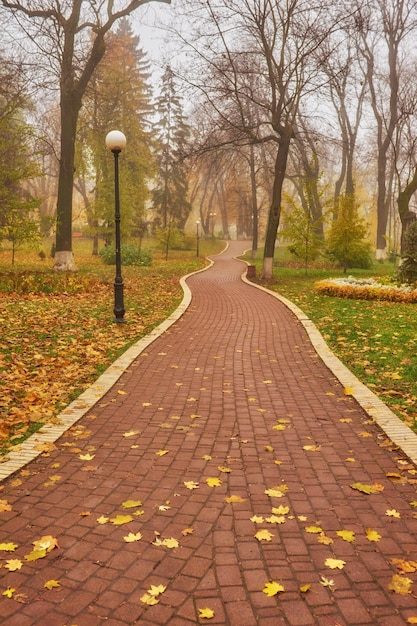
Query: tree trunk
275	208
254	204
64	260
403	201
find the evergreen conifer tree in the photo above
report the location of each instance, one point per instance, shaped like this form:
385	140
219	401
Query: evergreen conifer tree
346	242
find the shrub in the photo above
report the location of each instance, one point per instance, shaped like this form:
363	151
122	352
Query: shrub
130	254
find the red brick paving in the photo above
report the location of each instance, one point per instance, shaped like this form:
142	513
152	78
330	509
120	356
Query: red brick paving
210	391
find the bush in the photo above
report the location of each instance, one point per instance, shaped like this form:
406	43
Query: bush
130	253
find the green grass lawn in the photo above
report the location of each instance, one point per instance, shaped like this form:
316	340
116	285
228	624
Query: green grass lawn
376	340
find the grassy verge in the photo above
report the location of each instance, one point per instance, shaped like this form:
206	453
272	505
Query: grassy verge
53	345
375	340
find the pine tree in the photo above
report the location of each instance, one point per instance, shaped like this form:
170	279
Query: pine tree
170	193
346	242
119	97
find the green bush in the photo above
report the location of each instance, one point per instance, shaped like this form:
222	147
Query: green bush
130	254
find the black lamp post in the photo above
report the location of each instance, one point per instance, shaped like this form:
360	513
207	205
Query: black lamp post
198	237
115	142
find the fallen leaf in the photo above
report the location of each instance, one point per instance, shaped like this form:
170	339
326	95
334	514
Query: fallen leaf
121	519
281	510
346	535
312	448
47	542
213	482
51	584
8	592
313	529
400	584
190	484
392	513
406	567
257	519
131	433
264	535
148	599
348	391
87	457
35	555
326	582
225	470
8	547
372	535
276	492
171	542
368	489
269	449
187	531
412	620
206	457
163	507
102	519
271	589
5	506
131	504
324	539
275	519
121	392
233	499
13	565
334	563
305	588
206	613
131	537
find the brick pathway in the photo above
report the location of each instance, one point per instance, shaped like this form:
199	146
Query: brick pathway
233	391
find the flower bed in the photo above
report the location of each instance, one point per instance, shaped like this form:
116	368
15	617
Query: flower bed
365	289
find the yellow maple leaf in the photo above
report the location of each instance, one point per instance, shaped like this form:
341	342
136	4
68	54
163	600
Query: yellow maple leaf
257	519
233	499
131	537
102	519
156	590
131	433
5	506
13	565
121	392
305	588
413	503
131	504
412	619
392	513
46	542
405	566
149	600
348	391
272	588
276	492
8	547
35	555
313	529
213	482
264	535
171	542
400	584
87	457
279	427
275	519
190	484
206	457
51	584
225	470
8	592
372	535
368	489
312	448
326	582
121	519
280	510
269	449
206	613
324	539
346	535
187	531
335	563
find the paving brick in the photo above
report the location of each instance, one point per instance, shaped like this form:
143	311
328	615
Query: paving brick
232	338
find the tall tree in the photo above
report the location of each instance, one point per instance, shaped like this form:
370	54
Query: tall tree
172	136
72	37
118	96
262	56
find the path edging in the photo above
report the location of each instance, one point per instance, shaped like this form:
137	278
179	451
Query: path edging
27	451
400	434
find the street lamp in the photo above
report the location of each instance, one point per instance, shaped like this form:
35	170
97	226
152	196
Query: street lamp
198	237
212	215
115	142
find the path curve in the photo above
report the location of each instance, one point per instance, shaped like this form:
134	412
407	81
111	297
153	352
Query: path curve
234	394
